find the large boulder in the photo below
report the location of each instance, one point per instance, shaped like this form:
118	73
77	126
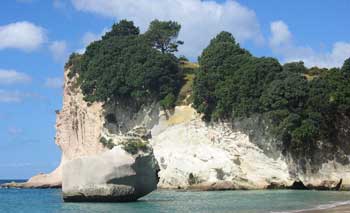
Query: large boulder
113	176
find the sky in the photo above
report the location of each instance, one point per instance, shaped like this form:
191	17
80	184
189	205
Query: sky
37	36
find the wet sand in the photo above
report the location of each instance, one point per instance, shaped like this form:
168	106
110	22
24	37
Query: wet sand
338	209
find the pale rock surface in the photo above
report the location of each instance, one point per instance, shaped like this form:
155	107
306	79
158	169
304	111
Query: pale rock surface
191	153
329	176
114	175
78	125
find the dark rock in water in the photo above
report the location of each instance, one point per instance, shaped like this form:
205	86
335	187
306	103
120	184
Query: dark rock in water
113	176
299	185
275	185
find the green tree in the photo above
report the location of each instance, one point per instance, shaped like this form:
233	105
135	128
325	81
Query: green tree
123	28
230	80
300	106
183	58
346	66
123	66
296	67
163	35
289	93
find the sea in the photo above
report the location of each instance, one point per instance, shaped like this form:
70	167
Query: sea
164	201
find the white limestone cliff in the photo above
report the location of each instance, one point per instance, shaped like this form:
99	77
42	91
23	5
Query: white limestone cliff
190	153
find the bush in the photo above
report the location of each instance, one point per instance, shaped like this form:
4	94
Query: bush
107	143
73	62
193	179
168	102
133	146
183	58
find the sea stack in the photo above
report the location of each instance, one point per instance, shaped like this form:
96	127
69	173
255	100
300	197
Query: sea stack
113	176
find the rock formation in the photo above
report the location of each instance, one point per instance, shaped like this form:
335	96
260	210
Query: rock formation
113	176
191	153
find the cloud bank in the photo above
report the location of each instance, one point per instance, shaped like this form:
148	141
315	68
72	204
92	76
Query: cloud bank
13	96
281	42
8	77
200	20
24	35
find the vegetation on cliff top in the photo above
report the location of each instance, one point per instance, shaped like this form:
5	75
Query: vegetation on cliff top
302	105
128	65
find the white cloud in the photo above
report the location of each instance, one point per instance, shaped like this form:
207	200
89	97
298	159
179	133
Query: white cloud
280	33
54	83
200	20
21	35
13	96
59	50
15	131
281	42
8	77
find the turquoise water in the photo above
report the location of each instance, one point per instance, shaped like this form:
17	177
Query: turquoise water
49	200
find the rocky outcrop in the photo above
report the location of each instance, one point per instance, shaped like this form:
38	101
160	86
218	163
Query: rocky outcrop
113	176
78	125
196	155
191	153
40	181
78	129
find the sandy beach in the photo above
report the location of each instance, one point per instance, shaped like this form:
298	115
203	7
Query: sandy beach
338	209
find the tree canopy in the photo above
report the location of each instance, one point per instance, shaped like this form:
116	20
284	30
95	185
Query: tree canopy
123	65
123	28
301	105
163	35
346	66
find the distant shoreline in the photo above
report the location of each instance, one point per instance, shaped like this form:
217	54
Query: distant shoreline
12	180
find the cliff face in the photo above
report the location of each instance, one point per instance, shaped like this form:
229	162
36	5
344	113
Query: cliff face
193	154
190	153
78	125
196	155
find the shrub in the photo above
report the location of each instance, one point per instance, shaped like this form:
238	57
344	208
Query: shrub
193	179
133	146
107	143
168	102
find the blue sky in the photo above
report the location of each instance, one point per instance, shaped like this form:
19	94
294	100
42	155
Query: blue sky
36	36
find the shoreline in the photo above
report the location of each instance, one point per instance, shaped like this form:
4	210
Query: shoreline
217	186
340	206
337	207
